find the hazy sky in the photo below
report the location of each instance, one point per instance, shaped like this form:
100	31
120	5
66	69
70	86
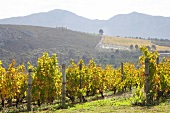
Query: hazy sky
92	9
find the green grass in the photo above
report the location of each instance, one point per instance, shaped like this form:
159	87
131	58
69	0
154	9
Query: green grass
117	104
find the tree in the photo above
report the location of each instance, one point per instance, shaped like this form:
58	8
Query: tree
117	51
101	31
149	48
131	47
112	56
136	47
153	47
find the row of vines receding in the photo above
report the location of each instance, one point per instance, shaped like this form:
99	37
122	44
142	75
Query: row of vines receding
47	80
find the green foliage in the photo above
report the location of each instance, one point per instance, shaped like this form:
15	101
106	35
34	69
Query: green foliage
13	81
46	79
101	31
157	78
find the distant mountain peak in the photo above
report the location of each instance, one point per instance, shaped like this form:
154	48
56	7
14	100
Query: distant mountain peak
137	13
60	10
134	12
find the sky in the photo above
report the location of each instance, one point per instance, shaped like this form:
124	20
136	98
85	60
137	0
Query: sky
92	9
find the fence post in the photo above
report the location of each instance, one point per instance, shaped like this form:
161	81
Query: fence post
157	61
29	90
147	81
63	84
80	68
122	72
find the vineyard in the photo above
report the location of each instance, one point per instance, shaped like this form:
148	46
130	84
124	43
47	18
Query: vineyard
150	84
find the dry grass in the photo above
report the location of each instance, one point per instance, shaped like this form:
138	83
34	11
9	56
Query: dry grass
131	41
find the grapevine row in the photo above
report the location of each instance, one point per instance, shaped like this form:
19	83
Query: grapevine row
47	79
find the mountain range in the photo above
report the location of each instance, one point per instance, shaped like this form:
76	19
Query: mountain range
126	25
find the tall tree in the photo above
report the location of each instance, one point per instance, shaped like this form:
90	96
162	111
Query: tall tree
136	47
101	31
131	47
153	47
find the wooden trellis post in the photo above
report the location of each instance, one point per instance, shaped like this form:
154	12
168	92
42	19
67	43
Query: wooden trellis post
157	61
122	72
63	84
147	81
29	90
80	68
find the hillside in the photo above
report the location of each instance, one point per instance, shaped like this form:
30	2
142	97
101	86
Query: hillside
26	43
126	25
20	38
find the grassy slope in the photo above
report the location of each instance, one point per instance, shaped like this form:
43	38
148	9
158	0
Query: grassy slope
113	105
118	104
131	41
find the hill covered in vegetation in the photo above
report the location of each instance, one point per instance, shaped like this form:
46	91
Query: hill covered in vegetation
26	43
